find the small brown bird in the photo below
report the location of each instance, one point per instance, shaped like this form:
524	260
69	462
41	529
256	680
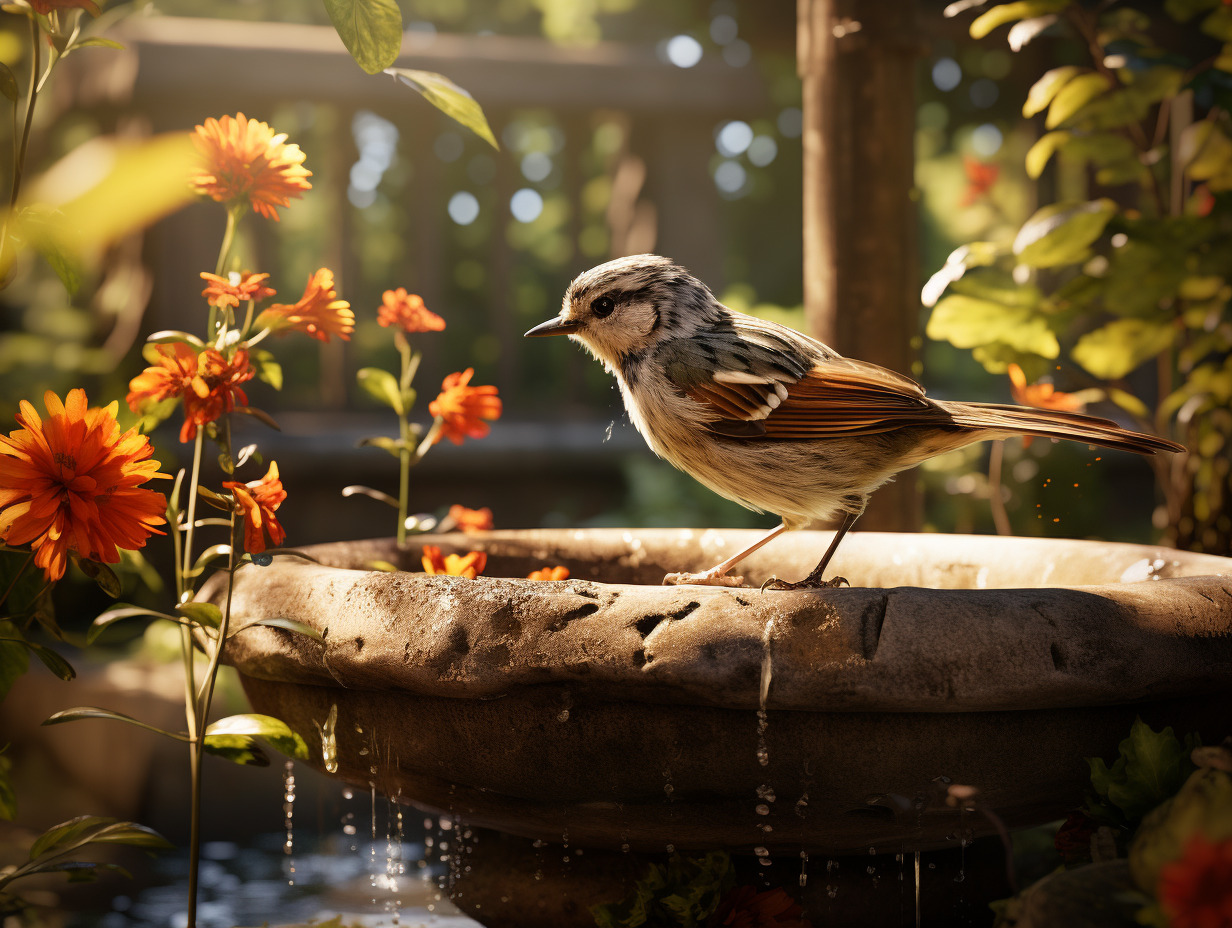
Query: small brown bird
771	418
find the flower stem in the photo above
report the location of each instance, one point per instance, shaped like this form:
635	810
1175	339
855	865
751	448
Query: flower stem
404	476
228	238
17	576
19	160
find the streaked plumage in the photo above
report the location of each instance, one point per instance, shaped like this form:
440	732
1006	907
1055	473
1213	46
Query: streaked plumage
767	416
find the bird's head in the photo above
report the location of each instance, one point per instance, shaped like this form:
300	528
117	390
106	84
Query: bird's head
621	309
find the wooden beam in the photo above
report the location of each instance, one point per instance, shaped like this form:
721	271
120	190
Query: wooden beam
861	287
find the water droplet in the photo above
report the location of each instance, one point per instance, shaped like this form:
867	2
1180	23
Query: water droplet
624	849
763	809
563	715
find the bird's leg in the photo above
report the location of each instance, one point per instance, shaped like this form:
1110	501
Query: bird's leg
814	580
717	575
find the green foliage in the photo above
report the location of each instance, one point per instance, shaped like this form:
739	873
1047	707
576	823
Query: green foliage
681	894
382	386
449	98
1059	234
1150	767
235	728
371	30
1010	12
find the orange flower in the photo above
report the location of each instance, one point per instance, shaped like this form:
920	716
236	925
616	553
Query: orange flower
980	177
43	7
1195	890
463	408
319	312
745	907
72	484
469	565
235	289
407	311
549	573
257	501
209	383
1042	395
244	160
470	520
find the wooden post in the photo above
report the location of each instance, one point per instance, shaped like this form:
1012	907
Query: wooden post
861	286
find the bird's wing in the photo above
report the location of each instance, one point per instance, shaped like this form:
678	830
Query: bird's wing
767	381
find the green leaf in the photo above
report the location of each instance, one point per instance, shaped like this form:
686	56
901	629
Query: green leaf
290	625
449	98
268	369
1184	10
1074	96
260	415
394	446
968	322
93	829
95	41
53	661
371	493
1011	12
102	575
1047	87
1130	403
961	260
206	614
371	30
120	612
92	712
273	730
1204	150
382	386
239	749
1112	351
1042	151
212	553
1150	768
163	336
1219	24
67	268
8	82
1059	233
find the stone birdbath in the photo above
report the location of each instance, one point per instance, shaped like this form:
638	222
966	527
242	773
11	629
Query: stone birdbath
611	713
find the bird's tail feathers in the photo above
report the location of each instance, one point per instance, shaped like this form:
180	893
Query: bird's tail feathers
1049	423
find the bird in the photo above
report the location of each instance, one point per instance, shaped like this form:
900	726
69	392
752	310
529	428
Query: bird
769	417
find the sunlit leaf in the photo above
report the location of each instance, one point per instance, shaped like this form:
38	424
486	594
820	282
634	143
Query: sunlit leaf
1205	150
290	625
106	189
1150	767
967	322
449	98
1042	151
1061	232
273	730
206	614
371	30
268	369
93	829
94	41
92	712
381	385
1010	12
239	749
1074	96
1130	403
1044	89
212	553
369	492
394	446
1023	33
168	335
119	613
962	259
1112	351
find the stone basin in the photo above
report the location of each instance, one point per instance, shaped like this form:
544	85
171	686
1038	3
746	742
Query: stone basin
608	711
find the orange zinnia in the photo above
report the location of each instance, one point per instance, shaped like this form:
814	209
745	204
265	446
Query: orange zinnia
318	313
243	160
981	175
71	484
470	520
209	383
235	289
257	501
469	565
1196	889
549	573
407	311
745	907
463	408
1042	395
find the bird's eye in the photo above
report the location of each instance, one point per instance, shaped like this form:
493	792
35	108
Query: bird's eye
603	306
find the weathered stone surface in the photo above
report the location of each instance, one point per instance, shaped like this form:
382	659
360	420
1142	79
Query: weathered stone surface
622	712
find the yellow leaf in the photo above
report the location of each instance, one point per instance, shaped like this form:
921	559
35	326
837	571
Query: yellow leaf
1042	151
1074	96
1044	89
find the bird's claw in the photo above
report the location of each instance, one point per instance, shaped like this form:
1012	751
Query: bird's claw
703	579
808	583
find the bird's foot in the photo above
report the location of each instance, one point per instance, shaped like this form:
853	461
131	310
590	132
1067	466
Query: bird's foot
705	578
808	583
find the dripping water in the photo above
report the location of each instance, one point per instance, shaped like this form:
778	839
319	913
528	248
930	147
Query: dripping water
288	816
917	889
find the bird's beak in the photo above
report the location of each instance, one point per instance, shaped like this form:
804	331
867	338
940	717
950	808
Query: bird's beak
558	325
